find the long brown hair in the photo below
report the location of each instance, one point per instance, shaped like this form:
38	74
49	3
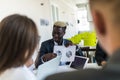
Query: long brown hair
18	40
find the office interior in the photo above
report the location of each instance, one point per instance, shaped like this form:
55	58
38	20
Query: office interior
75	13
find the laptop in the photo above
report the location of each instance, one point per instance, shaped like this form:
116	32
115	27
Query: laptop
79	62
48	68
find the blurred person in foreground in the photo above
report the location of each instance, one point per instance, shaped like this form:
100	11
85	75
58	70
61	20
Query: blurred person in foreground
18	40
106	17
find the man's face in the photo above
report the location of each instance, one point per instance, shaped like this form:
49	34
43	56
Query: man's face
57	34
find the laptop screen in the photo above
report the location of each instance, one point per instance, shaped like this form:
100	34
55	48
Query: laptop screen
79	62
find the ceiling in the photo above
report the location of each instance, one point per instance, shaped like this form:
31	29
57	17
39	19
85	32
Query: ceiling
80	1
77	3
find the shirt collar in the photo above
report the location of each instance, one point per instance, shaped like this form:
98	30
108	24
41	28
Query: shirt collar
56	44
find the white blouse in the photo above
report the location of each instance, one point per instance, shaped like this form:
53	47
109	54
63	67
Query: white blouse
20	73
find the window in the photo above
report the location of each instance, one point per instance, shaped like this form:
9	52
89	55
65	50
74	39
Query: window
55	14
83	24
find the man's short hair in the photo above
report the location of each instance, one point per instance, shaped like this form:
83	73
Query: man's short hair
60	24
114	6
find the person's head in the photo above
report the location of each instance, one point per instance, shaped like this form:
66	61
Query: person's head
59	29
18	40
106	16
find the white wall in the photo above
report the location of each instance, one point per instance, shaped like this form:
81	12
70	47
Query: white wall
32	9
90	19
66	14
91	26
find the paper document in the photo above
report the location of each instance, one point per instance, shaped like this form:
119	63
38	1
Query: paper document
68	53
48	68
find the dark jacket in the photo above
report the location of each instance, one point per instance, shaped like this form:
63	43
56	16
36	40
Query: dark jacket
47	47
100	54
110	72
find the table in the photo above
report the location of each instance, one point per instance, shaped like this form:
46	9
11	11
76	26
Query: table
65	68
87	50
87	66
93	66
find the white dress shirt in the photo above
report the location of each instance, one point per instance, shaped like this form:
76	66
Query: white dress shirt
20	73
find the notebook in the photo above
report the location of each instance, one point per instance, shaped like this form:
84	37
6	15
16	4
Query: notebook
79	62
48	68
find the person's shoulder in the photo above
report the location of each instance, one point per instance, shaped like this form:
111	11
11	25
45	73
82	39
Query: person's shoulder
23	73
66	40
47	41
19	73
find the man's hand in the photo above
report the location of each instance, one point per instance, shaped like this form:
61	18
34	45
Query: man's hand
68	44
103	63
49	56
